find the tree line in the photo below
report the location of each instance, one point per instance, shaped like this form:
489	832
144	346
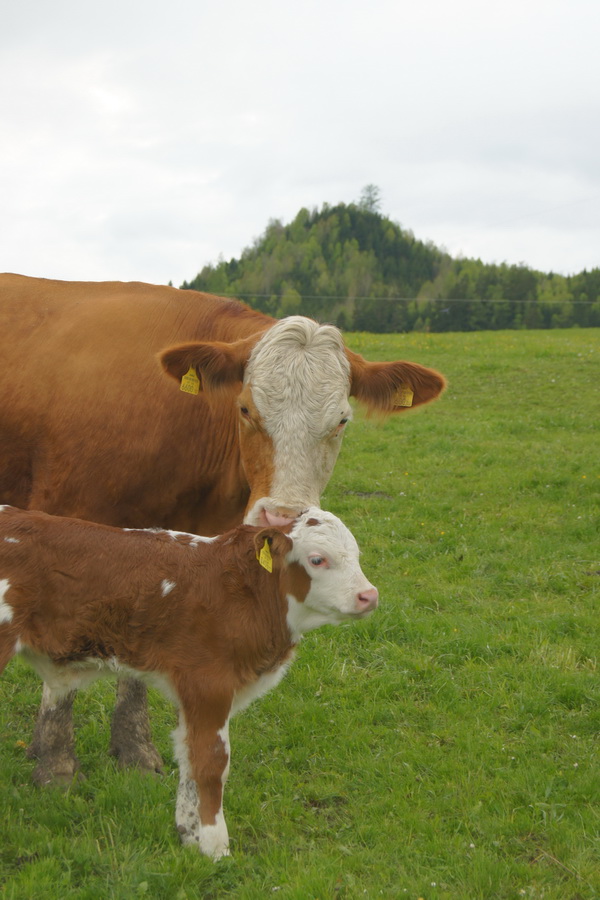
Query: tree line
353	266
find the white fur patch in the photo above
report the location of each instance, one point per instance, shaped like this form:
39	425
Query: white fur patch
192	539
6	610
260	687
299	376
166	587
11	540
335	587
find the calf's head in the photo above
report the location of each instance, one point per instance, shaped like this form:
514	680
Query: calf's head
292	385
318	564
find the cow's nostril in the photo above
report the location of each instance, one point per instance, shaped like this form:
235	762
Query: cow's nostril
281	516
368	599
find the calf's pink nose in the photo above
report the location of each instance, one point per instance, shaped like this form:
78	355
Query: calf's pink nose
368	600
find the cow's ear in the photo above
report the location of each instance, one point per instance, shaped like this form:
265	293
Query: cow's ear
271	546
389	387
213	364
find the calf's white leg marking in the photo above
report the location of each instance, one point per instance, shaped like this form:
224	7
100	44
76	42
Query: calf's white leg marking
6	610
186	811
212	840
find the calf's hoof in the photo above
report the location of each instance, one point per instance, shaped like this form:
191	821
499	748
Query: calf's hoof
215	847
137	755
62	773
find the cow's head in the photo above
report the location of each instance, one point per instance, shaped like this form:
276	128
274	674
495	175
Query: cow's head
318	562
292	384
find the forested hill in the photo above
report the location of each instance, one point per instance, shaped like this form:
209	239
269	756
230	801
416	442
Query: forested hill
350	265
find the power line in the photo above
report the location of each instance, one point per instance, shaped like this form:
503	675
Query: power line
418	300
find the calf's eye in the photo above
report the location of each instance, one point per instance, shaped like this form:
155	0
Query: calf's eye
317	561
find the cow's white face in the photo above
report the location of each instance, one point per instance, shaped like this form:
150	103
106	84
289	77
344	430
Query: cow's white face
293	411
338	590
293	406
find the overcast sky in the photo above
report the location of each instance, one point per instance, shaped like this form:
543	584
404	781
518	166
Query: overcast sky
142	140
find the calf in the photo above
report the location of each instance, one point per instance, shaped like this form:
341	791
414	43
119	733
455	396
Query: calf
213	623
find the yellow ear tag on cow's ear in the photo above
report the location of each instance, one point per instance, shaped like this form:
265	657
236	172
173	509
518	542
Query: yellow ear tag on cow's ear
403	396
265	558
190	383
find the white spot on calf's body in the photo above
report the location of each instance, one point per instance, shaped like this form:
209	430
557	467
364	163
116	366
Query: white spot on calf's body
6	610
192	539
166	587
11	540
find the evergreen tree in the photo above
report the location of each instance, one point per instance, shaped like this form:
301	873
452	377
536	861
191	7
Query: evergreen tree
353	266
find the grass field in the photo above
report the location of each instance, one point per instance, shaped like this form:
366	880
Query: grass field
448	747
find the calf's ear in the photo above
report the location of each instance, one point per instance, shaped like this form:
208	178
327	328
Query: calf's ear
271	546
213	363
391	387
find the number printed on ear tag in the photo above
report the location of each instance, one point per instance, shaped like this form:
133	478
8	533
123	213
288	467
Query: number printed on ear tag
190	383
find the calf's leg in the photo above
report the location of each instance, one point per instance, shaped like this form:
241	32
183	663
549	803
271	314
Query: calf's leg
53	743
131	741
8	640
202	750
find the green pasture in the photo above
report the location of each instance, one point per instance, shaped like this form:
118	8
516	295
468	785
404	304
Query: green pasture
445	749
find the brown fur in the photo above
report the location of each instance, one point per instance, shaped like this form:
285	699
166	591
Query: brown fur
81	591
91	427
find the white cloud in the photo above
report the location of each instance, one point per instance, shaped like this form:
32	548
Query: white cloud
141	141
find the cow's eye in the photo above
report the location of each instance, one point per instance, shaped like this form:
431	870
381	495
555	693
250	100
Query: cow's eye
245	412
339	428
317	561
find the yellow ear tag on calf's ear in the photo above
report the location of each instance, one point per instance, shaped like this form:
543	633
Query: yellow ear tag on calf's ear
190	383
265	558
403	396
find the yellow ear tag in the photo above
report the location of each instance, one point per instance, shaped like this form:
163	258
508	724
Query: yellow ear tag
403	396
265	558
190	383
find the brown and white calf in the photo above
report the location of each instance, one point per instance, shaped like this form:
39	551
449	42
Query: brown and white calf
212	622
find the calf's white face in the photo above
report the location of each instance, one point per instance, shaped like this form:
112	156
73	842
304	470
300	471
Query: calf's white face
339	590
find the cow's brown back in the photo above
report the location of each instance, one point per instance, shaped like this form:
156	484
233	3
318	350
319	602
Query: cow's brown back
89	424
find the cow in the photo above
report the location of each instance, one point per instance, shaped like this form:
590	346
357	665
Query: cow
213	623
93	424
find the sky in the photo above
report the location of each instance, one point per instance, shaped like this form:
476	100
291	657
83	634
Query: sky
143	140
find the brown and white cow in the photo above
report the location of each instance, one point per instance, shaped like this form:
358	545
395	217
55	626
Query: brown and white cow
213	623
91	427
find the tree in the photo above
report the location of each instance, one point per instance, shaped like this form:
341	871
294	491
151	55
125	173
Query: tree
370	199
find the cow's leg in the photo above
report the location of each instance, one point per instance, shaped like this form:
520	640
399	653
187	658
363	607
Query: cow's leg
53	743
202	750
131	741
